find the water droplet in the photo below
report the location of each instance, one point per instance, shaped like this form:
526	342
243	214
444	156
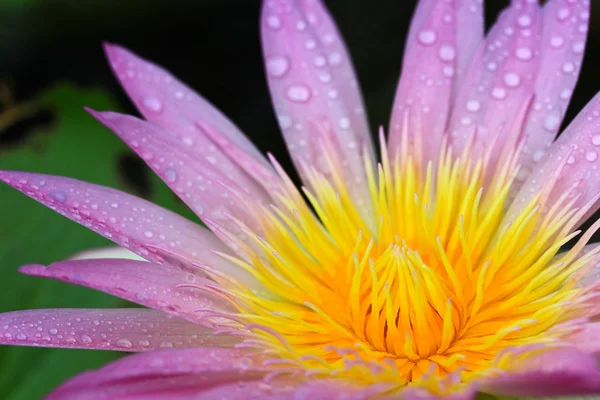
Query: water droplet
568	67
565	94
86	339
298	93
524	20
284	121
332	94
60	197
300	25
144	343
427	37
511	79
557	42
124	343
563	14
552	122
537	156
591	155
148	234
273	22
473	105
596	140
578	47
53	331
278	66
335	59
310	44
447	53
499	93
152	104
344	123
170	175
571	160
524	53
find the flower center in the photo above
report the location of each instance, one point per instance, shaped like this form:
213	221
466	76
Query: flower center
438	283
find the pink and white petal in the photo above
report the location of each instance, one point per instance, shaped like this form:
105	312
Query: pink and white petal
200	182
146	229
470	28
560	372
310	77
163	374
168	103
496	95
149	284
106	252
109	329
570	164
563	43
423	97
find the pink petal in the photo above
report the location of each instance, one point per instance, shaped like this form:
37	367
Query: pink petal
315	92
149	284
200	181
424	92
413	393
109	329
500	82
168	103
563	44
587	339
560	372
470	26
320	389
152	232
572	161
162	374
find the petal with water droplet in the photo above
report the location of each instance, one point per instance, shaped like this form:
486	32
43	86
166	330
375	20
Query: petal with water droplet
424	91
122	218
145	283
501	78
110	329
163	374
317	99
168	103
201	182
569	166
561	56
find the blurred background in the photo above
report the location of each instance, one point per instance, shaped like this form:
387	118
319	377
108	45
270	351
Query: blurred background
52	64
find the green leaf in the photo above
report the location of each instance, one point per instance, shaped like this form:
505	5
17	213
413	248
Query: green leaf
76	146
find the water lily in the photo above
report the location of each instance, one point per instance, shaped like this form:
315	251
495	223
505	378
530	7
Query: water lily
433	269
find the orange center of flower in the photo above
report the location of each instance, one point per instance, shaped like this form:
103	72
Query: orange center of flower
437	284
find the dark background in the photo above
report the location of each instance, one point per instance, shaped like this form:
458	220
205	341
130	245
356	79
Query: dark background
214	46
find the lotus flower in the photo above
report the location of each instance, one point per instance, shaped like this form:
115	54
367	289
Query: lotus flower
436	271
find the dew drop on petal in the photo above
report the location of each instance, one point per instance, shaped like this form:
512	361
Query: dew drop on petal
344	123
274	22
557	42
152	104
125	343
473	105
591	155
298	93
284	121
499	93
511	79
596	140
86	339
447	53
524	53
552	122
277	66
427	37
524	20
170	175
